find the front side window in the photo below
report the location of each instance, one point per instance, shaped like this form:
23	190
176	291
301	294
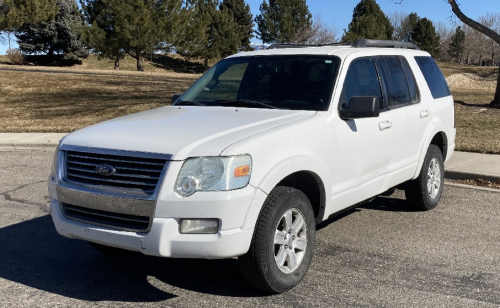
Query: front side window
298	82
361	80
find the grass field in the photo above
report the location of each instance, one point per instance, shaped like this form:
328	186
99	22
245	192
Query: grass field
35	101
53	99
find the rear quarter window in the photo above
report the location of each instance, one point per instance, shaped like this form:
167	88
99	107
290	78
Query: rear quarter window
434	77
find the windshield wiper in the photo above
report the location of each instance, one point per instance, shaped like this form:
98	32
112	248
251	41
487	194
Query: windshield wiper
188	103
243	102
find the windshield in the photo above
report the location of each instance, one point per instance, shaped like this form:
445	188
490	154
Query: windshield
295	82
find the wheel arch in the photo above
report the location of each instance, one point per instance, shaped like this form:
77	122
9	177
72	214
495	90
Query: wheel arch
302	173
438	137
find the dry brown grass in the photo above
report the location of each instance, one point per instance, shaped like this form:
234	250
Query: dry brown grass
33	101
478	126
454	68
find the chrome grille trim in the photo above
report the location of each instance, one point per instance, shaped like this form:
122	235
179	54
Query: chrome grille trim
125	200
138	174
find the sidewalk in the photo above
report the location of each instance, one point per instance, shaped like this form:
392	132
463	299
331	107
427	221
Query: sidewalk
462	165
21	141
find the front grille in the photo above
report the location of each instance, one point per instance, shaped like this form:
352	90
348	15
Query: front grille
139	173
108	219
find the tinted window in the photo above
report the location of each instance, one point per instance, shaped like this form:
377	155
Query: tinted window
361	80
434	77
412	84
395	80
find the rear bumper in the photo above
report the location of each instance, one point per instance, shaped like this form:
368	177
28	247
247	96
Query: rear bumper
163	240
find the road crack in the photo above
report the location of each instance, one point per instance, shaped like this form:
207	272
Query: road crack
8	197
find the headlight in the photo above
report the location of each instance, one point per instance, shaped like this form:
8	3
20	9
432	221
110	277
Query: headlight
54	163
213	174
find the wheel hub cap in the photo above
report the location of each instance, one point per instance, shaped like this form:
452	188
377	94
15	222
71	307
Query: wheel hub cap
434	178
290	241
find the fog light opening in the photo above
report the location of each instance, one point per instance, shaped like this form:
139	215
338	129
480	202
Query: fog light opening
199	226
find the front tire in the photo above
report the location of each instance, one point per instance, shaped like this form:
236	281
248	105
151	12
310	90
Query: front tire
282	246
424	192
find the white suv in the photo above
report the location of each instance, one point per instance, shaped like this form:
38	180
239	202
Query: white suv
259	150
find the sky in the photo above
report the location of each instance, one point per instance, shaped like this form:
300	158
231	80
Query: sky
339	12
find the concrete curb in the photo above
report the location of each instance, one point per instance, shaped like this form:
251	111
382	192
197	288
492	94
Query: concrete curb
7	147
472	187
458	175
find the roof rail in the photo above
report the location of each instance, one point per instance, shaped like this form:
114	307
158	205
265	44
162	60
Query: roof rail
286	45
362	43
381	43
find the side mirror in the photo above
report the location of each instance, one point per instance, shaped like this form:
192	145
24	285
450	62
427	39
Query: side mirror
175	97
361	107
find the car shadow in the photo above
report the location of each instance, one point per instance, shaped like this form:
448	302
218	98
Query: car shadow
381	203
388	204
33	254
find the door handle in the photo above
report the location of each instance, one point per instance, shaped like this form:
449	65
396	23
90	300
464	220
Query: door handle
424	114
384	125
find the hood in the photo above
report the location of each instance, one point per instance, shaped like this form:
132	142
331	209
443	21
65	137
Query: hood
183	132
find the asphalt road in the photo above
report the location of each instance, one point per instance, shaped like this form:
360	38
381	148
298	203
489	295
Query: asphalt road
380	255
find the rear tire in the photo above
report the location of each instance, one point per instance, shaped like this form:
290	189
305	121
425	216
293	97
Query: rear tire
282	246
424	192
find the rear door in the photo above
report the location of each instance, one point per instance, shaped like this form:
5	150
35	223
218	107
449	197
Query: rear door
408	115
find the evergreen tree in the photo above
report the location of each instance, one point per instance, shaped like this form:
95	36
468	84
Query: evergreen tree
60	36
210	33
457	44
119	27
368	22
243	17
282	21
425	36
15	13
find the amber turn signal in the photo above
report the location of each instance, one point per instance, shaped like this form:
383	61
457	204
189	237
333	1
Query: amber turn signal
241	171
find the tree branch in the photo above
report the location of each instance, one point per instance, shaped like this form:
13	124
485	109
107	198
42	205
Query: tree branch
473	24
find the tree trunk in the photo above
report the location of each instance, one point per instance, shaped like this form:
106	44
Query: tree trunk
496	101
455	8
117	64
205	66
140	63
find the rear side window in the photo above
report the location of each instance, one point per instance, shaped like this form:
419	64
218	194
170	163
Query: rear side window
434	77
412	84
395	80
361	80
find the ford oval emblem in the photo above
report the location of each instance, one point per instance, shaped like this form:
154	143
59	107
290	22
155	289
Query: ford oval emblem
105	169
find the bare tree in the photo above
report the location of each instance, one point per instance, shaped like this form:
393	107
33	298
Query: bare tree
491	21
318	33
399	22
6	38
445	32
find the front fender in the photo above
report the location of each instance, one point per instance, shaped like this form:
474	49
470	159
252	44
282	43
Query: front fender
276	174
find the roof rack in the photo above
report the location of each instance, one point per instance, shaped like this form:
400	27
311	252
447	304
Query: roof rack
381	43
287	45
362	43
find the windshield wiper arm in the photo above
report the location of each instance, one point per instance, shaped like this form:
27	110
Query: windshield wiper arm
247	102
188	103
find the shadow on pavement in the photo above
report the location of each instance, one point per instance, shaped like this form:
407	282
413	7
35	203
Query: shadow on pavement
33	254
388	204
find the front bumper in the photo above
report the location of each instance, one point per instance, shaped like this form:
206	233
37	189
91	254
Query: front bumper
163	240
